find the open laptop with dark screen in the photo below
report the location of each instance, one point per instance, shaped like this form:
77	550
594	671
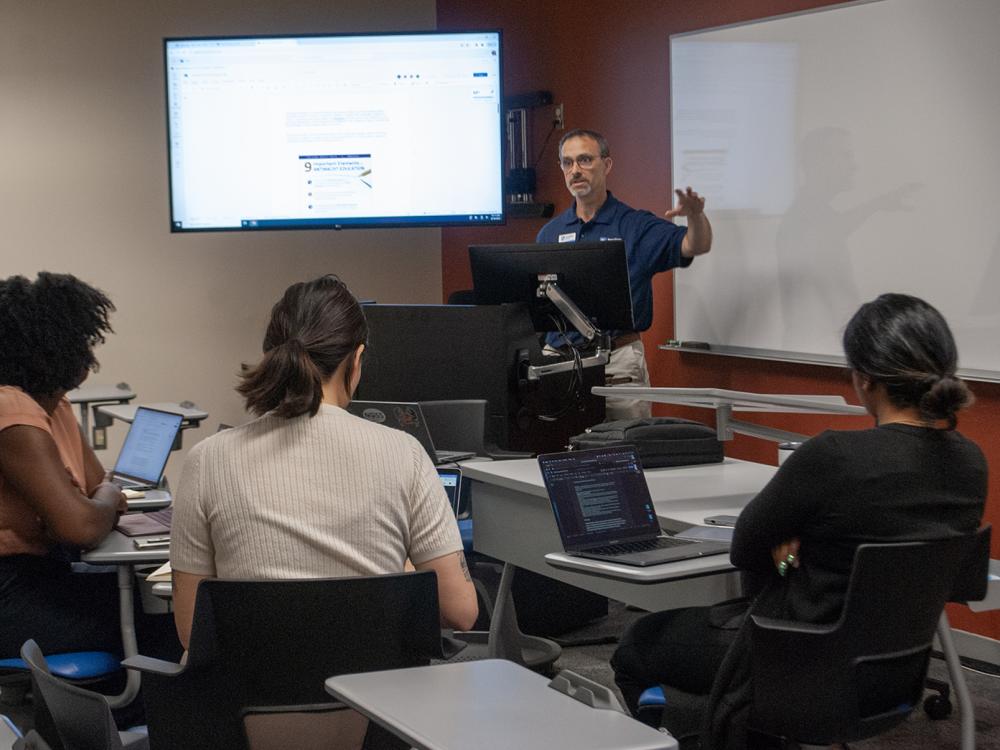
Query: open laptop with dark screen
604	511
408	417
146	449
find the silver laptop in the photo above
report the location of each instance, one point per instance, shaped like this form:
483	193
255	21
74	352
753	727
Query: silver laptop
146	449
408	417
604	512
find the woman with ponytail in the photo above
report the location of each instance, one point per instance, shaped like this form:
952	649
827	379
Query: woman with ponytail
910	477
308	490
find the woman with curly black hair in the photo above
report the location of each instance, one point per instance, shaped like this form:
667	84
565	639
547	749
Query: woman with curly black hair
54	497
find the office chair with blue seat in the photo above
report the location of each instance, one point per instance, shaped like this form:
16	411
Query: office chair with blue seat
268	646
857	677
79	668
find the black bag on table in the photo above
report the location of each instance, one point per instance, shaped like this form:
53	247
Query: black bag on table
661	441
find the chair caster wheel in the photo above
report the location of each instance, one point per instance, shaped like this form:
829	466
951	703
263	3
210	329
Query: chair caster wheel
937	707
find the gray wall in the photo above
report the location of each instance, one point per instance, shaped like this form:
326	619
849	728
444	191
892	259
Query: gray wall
83	190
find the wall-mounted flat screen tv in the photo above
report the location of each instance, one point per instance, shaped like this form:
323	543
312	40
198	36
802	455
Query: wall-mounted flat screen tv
374	130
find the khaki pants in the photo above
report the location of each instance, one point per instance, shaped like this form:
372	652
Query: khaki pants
627	366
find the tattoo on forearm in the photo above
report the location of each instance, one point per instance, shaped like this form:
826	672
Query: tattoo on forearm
465	566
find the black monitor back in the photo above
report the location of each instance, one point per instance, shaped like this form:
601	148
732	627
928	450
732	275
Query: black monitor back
594	275
440	352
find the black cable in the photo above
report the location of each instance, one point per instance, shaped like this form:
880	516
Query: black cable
544	144
574	392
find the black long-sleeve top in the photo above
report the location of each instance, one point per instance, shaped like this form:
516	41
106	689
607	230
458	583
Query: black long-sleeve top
840	489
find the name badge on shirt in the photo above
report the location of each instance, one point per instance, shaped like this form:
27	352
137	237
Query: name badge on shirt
568	237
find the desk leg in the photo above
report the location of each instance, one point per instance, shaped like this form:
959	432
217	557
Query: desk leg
126	578
503	621
965	710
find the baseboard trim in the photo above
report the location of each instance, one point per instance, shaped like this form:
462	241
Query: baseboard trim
977	647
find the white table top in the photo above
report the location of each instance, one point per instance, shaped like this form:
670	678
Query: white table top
684	494
126	412
488	705
151	500
713	398
118	549
86	394
671	571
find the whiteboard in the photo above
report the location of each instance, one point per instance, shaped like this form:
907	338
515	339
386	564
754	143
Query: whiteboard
843	153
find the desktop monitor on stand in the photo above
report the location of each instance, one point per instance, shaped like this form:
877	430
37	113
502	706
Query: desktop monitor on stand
580	287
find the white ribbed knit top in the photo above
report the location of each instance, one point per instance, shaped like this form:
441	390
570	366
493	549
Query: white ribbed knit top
327	496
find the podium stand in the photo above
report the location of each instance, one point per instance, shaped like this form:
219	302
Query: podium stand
440	352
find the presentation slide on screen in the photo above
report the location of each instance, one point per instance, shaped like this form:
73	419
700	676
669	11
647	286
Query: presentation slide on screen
310	129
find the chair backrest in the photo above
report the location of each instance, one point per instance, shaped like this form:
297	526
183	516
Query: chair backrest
973	574
83	719
863	674
457	425
274	643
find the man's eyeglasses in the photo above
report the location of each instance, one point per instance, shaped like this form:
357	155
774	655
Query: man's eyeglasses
583	161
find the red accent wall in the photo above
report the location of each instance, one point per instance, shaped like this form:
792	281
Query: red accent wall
609	66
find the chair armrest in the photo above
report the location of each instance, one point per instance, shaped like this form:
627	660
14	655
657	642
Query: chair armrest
971	583
451	646
792	626
31	741
153	666
586	691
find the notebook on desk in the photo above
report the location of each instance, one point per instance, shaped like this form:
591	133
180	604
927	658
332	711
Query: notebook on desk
604	511
141	524
146	449
408	417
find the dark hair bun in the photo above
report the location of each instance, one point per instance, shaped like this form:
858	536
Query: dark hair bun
944	398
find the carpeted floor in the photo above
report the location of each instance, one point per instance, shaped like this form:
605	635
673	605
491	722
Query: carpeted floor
917	732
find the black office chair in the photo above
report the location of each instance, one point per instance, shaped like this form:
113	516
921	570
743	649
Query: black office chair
859	676
853	679
260	645
82	717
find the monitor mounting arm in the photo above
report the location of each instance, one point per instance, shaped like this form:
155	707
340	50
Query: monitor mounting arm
548	287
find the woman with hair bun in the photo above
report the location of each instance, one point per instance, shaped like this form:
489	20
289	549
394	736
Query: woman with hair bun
54	497
308	490
911	477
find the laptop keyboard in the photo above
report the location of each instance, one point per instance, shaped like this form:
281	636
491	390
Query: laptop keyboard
624	548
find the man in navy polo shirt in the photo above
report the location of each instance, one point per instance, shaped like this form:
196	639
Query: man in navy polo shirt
652	245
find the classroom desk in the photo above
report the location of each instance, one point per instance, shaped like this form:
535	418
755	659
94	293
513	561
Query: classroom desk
118	549
513	522
488	705
91	396
151	500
